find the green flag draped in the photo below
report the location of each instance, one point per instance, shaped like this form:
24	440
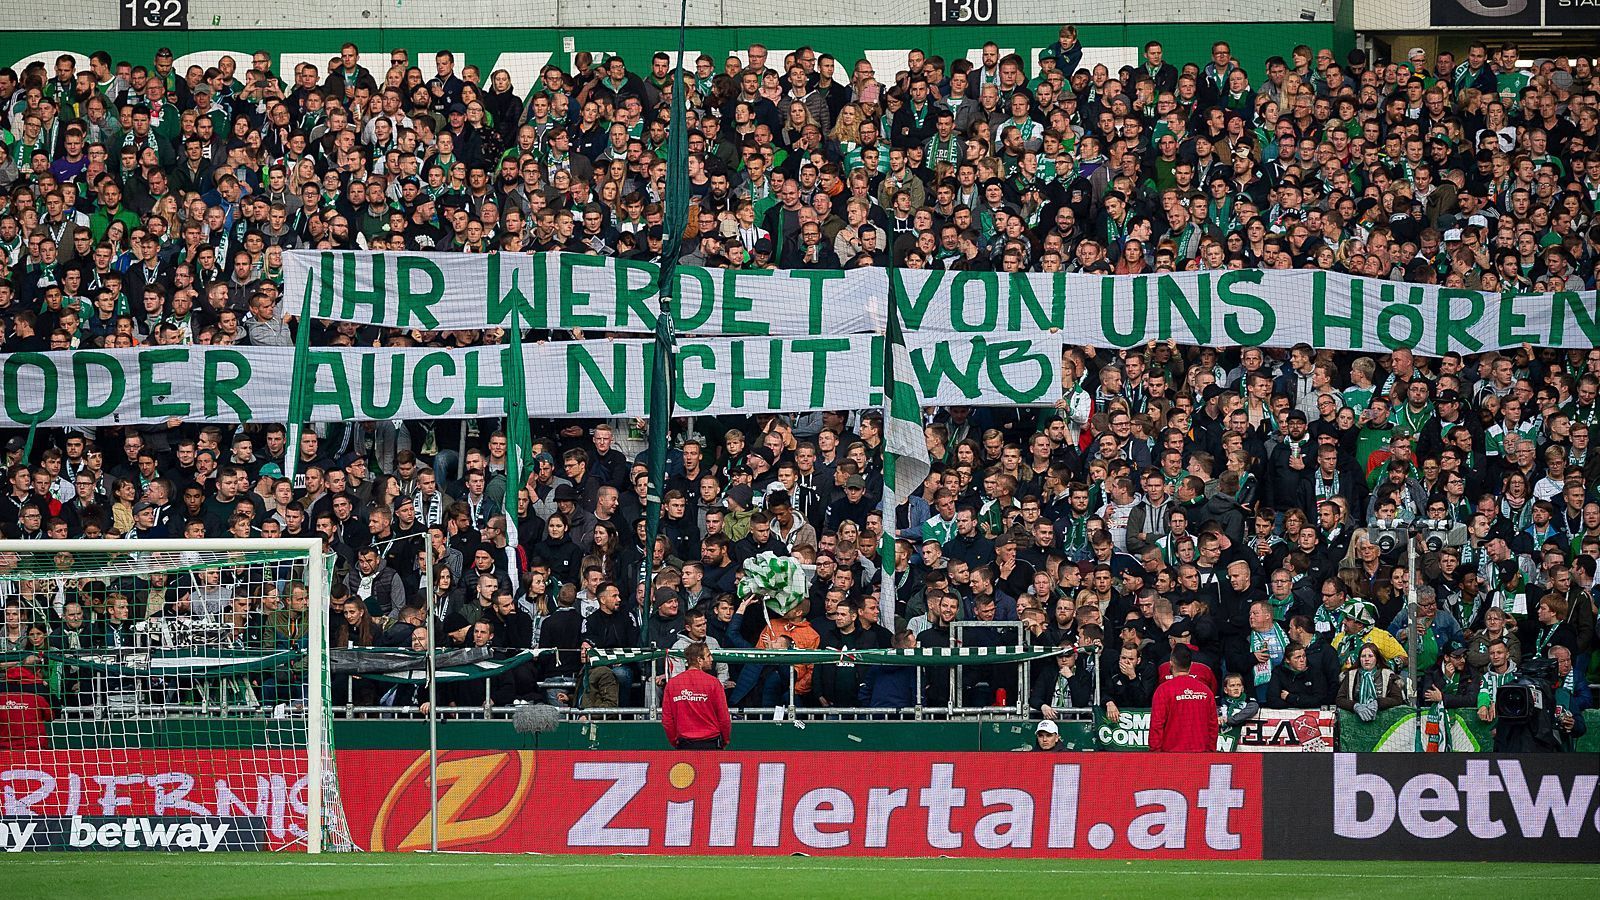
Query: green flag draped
905	453
519	438
299	385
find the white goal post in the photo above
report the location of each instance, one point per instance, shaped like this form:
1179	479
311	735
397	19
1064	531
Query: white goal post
204	660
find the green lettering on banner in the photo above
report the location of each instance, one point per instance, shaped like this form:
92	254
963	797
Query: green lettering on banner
1196	315
684	320
371	383
47	394
1024	300
632	293
875	370
707	363
572	298
1511	320
582	368
1400	303
1011	363
420	378
109	371
1140	308
338	396
935	365
352	295
414	299
476	391
819	349
733	304
990	282
1323	320
817	280
1453	331
745	382
1588	322
915	309
1245	301
503	299
330	290
226	373
152	391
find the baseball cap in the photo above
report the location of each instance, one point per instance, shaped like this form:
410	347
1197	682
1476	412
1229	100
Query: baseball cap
856	481
1416	51
142	506
1451	235
1047	727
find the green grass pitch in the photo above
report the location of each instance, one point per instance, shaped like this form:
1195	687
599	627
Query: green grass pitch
396	876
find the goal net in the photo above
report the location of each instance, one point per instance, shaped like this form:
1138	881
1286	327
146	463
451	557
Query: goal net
166	695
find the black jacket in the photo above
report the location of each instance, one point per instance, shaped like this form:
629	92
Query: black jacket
1129	693
1463	697
1305	689
1080	687
562	631
610	631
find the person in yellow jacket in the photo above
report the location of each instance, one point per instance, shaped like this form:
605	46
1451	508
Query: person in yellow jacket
1361	627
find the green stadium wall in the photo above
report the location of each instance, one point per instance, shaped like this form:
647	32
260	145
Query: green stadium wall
524	50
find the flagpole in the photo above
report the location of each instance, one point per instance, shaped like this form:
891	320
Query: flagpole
675	218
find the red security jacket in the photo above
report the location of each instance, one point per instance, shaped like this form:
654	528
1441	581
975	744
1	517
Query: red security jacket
25	712
1183	716
695	707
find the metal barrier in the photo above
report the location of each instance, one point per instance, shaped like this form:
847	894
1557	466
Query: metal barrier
1024	669
645	714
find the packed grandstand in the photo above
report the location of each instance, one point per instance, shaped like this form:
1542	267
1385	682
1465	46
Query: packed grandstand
1267	509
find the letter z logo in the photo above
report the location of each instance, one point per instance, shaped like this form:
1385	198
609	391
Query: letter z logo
466	782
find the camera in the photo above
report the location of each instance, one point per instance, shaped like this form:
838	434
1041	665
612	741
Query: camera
1437	534
1525	717
1388	534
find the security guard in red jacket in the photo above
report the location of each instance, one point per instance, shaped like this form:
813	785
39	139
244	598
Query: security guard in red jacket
695	706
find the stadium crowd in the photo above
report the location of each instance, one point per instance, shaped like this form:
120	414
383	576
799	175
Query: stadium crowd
1254	506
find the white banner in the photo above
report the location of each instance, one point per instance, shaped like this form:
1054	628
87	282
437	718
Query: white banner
1239	307
564	379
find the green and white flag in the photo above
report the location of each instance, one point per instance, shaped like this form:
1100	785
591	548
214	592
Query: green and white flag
902	410
905	453
519	437
777	581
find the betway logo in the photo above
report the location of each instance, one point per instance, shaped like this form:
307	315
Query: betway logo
1432	806
15	835
927	811
139	833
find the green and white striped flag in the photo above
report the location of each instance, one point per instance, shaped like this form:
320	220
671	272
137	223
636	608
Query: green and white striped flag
519	436
905	453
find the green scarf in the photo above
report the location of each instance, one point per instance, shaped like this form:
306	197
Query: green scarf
1367	686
